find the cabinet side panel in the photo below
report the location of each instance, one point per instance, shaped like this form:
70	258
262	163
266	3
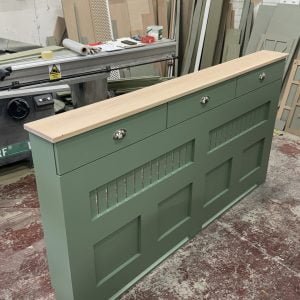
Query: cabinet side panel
51	206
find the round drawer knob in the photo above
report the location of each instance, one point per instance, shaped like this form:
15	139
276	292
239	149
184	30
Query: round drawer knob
119	134
204	100
262	76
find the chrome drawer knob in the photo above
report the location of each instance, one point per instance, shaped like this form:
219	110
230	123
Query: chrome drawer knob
119	134
204	100
262	76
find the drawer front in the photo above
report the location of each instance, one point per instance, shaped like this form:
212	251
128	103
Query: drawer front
258	78
82	149
199	102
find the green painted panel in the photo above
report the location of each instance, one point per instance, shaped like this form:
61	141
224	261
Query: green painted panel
191	106
251	81
117	250
82	149
217	182
112	196
251	159
162	163
173	211
113	235
118	214
234	128
239	152
53	220
123	187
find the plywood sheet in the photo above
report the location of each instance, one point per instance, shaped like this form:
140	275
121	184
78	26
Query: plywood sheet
131	17
70	18
163	16
87	21
85	28
141	15
59	30
120	18
66	125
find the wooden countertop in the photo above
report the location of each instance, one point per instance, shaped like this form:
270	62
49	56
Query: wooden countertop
63	126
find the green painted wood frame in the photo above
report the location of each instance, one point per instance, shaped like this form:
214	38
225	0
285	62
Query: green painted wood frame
112	219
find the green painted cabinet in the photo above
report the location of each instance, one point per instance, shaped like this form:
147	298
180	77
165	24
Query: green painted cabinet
113	209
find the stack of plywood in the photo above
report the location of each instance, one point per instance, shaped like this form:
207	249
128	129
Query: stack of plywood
205	33
131	17
87	21
236	40
102	20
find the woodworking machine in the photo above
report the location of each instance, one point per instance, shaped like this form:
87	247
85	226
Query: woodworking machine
26	87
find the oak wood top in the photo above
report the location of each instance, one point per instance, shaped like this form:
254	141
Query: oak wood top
63	126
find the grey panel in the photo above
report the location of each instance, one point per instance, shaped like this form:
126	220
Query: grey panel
211	34
231	45
260	26
192	41
295	123
248	28
285	21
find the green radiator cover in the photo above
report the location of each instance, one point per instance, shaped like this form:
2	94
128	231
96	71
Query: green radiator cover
113	210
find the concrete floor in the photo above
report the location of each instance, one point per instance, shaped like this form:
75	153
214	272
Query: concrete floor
251	252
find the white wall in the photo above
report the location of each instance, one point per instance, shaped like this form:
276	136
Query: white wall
29	21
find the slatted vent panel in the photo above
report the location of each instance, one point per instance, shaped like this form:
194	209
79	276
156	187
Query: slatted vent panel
120	189
238	126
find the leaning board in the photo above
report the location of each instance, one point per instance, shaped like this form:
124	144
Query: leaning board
124	183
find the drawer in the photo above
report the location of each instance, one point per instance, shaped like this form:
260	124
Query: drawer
260	77
82	149
199	102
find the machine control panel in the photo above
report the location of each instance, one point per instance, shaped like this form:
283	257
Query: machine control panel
43	100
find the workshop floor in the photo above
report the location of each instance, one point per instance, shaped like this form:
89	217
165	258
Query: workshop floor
251	252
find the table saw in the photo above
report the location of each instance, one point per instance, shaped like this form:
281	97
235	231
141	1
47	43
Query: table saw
22	80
